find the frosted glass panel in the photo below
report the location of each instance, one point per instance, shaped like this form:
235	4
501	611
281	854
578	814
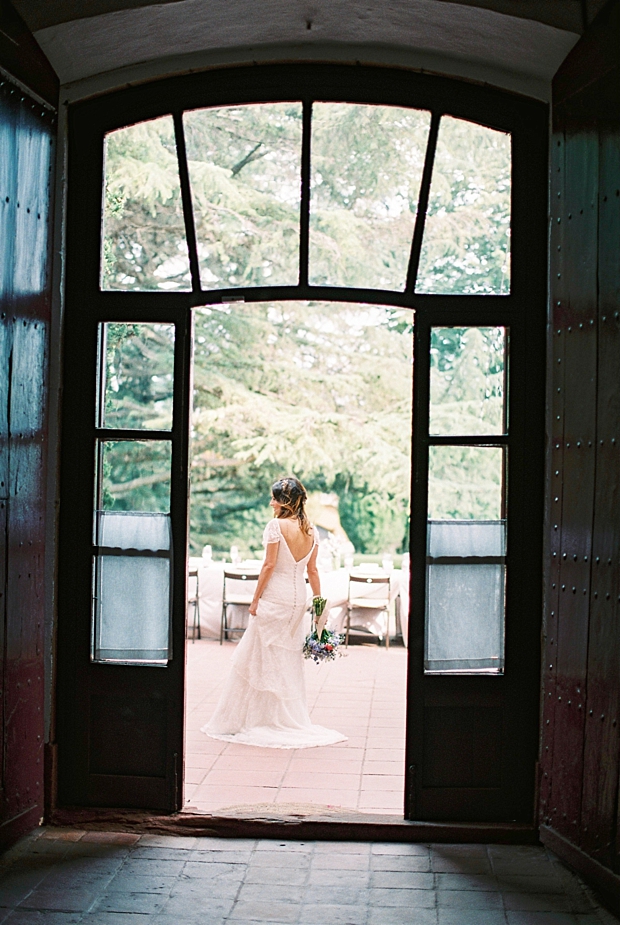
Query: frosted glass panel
367	164
245	173
138	371
465	483
134	530
466	245
467	381
143	242
466	538
465	618
132	605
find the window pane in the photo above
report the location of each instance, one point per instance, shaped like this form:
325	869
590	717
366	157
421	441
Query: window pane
245	172
135	475
367	164
465	618
465	483
132	627
466	246
466	538
467	381
138	371
144	244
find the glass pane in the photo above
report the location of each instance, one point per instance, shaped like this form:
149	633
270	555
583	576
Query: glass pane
135	475
465	483
466	246
144	244
245	172
367	164
138	376
467	381
132	627
466	538
465	618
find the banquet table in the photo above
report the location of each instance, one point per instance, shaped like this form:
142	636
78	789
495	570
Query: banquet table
334	587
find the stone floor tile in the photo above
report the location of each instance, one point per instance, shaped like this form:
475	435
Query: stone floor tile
220	857
33	917
154	853
268	875
265	911
278	892
469	900
479	917
334	877
168	841
337	895
116	918
185	906
340	862
399	849
461	864
331	914
61	900
462	851
412	880
146	903
540	918
512	883
396	916
281	859
286	847
485	882
407	862
342	847
410	899
537	902
197	870
132	883
157	867
224	844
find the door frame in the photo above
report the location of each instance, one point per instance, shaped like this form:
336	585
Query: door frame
523	311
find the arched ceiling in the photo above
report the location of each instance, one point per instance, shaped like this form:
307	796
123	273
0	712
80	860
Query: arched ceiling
516	44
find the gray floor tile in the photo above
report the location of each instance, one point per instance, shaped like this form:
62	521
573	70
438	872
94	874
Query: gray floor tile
337	895
267	875
330	914
407	862
411	899
62	900
461	865
477	917
153	868
400	916
341	862
341	847
320	877
278	892
131	883
540	918
31	917
265	911
461	851
130	902
485	882
537	902
398	849
469	899
402	879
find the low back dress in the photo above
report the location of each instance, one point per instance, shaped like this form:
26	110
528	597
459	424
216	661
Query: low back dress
263	701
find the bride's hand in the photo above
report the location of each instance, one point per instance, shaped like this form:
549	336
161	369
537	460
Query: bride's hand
252	608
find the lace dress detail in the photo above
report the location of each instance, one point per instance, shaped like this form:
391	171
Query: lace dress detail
263	701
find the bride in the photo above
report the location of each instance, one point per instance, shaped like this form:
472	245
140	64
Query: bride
263	701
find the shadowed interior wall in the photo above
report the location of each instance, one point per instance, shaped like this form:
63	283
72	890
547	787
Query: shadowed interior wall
26	161
581	683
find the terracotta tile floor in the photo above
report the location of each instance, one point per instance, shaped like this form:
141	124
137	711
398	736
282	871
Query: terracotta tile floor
361	694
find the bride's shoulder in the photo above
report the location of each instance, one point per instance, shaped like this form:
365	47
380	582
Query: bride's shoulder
272	532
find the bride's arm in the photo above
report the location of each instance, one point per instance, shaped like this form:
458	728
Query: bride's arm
313	573
271	555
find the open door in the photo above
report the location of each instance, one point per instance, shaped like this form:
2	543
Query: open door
262	185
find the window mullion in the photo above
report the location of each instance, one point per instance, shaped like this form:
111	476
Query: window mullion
425	186
304	207
186	197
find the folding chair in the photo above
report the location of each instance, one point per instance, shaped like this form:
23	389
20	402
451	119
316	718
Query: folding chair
361	583
194	600
235	596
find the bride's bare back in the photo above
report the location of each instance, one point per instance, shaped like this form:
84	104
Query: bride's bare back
298	542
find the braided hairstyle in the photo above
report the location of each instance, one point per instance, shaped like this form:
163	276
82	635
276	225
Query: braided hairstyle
291	494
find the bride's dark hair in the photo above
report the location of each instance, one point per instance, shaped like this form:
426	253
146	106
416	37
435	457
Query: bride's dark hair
291	494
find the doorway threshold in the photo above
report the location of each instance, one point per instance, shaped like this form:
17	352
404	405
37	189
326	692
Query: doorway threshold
294	825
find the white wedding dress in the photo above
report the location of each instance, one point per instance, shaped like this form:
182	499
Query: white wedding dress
263	701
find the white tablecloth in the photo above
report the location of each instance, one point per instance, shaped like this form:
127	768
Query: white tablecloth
334	586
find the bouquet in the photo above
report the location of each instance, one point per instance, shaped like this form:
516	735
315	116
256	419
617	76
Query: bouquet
322	644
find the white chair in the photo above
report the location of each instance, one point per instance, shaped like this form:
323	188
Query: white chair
194	601
236	596
360	597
